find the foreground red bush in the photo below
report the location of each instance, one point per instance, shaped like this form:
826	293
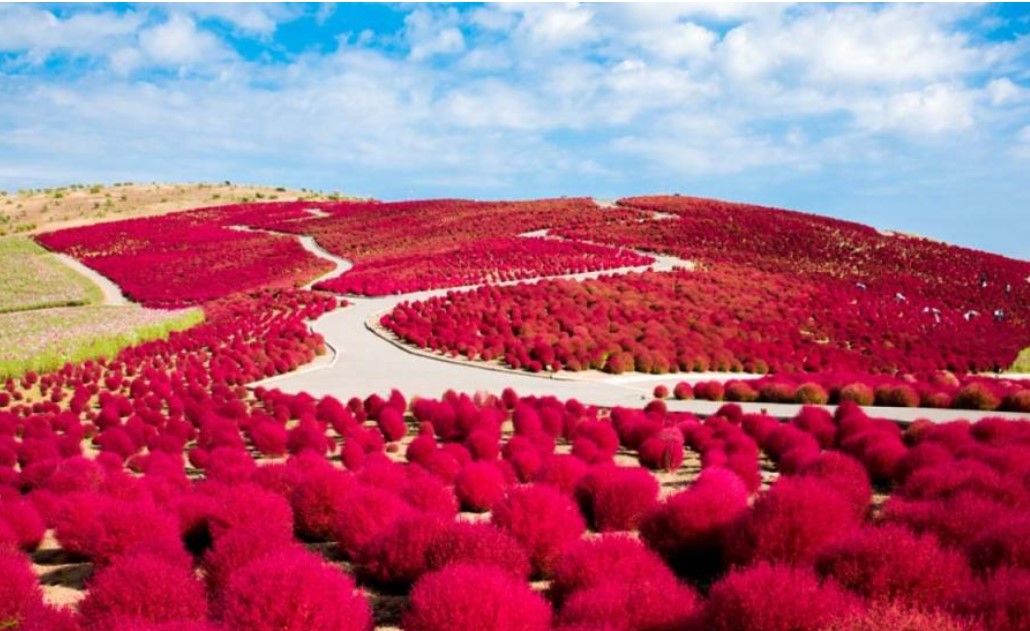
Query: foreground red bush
292	590
791	522
144	587
775	598
475	597
892	563
478	544
542	519
690	528
611	557
616	498
20	595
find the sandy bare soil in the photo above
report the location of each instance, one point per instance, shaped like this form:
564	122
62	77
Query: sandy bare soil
40	210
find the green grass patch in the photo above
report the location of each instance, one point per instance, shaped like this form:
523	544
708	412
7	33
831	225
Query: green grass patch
33	278
46	339
1022	363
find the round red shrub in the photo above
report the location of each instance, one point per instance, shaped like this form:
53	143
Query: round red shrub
661	391
650	604
893	563
318	501
663	451
791	521
479	486
768	597
293	590
542	519
366	513
1000	603
609	557
1005	544
145	587
616	498
480	544
401	554
391	424
891	616
683	391
20	594
563	472
846	475
24	521
100	528
239	547
475	597
689	529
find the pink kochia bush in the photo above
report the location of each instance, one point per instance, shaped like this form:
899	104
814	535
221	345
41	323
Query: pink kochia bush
542	519
892	563
610	557
616	498
478	544
775	598
690	529
20	595
292	590
144	587
479	486
465	596
791	521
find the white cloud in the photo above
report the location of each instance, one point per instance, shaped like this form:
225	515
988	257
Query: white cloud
935	109
246	18
852	45
178	41
1003	91
430	34
40	33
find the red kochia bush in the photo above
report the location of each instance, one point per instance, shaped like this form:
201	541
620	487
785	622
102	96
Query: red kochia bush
774	598
365	514
24	521
318	501
479	486
542	519
391	424
480	544
100	528
791	521
1006	544
649	605
888	616
293	590
401	554
893	563
616	498
475	597
609	557
19	590
144	587
689	529
663	450
1000	603
239	547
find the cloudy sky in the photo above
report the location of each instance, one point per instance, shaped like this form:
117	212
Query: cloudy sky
909	117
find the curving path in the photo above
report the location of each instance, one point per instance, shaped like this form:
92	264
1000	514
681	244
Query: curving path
112	293
367	359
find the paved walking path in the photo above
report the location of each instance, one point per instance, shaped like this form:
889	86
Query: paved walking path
112	293
367	359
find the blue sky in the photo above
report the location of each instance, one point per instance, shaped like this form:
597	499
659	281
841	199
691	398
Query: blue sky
908	117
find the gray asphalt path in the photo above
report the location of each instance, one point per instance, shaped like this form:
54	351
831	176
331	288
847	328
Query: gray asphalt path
365	361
